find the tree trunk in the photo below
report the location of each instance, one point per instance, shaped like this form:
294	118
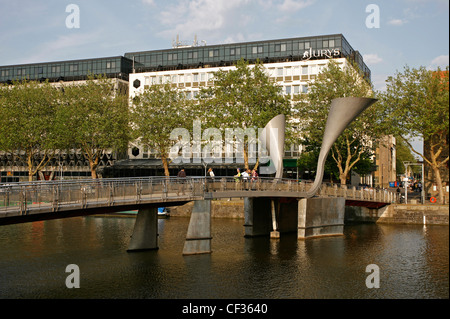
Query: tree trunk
93	165
165	165
438	179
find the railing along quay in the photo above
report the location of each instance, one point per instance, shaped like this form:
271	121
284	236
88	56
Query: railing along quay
51	196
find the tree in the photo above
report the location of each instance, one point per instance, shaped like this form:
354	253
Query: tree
30	123
416	105
156	112
98	111
356	142
243	97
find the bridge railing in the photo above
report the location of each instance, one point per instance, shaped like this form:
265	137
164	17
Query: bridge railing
56	195
359	193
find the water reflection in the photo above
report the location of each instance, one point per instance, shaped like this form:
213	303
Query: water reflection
413	262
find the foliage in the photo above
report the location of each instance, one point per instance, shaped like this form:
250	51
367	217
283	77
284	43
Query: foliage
98	111
415	103
30	126
243	98
156	112
355	143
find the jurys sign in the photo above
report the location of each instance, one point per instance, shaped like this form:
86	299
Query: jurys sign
323	53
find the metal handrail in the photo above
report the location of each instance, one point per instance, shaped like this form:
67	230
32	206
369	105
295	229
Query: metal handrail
79	194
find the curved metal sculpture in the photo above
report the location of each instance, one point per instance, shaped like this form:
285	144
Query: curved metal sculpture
342	112
272	139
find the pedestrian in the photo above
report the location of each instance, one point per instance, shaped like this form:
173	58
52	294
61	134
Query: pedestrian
254	175
211	173
181	173
237	177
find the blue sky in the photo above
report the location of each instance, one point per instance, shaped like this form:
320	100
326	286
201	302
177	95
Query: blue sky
411	32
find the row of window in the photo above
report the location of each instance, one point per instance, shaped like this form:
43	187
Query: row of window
312	69
40	70
234	51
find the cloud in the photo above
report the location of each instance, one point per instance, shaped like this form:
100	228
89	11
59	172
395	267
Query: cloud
63	46
397	22
294	5
202	16
372	58
441	61
149	2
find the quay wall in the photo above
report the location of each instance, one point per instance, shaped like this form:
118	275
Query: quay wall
391	214
417	214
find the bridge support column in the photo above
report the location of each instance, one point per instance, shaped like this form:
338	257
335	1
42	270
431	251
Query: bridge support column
145	233
320	217
257	216
198	238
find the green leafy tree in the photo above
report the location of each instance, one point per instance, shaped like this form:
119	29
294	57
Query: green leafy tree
355	143
30	123
244	98
416	105
98	112
156	113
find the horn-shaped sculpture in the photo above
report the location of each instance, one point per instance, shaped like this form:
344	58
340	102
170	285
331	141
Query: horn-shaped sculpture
272	139
342	112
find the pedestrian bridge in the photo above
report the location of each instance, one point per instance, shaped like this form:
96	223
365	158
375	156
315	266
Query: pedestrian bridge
29	201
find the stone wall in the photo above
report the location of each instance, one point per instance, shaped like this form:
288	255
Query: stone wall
400	214
219	209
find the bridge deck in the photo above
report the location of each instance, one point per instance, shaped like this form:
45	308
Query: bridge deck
57	199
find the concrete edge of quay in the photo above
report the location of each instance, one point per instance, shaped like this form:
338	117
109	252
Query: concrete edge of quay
417	214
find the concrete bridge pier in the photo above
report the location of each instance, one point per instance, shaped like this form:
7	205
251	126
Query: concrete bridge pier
257	216
198	238
320	217
145	233
309	217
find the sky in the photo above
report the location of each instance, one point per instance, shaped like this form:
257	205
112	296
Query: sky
389	34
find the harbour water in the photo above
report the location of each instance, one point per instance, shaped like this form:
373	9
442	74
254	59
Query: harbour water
413	262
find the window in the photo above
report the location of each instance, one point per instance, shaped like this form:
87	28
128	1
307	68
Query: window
331	43
235	51
5	72
305	70
171	56
280	47
304	89
195	77
56	69
192	55
257	49
301	46
73	67
288	90
213	53
296	89
279	71
111	65
307	45
325	43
